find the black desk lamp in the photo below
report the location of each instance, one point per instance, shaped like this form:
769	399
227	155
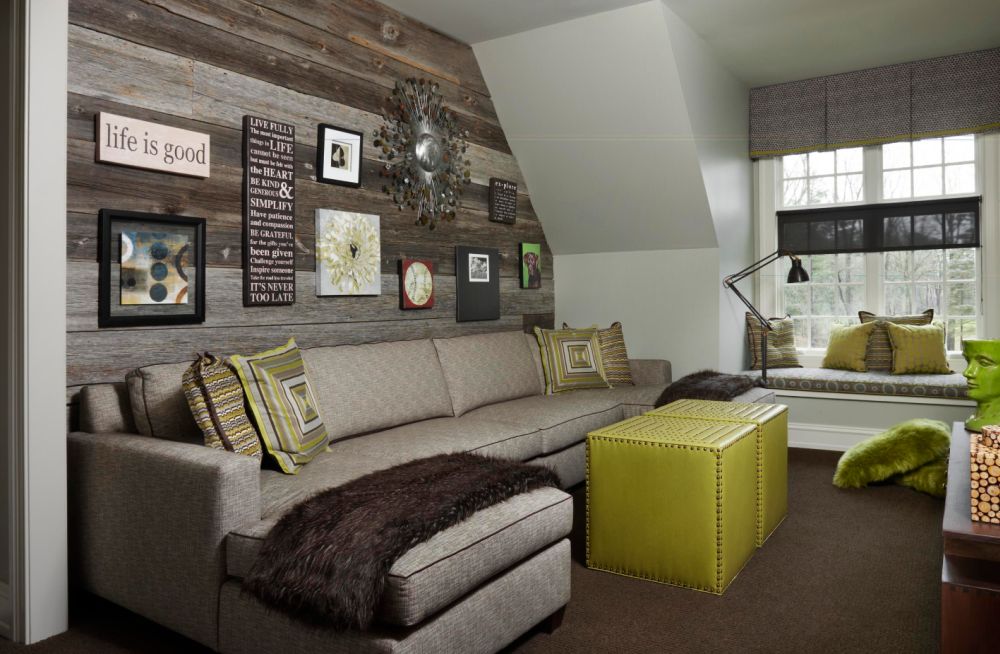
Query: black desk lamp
796	275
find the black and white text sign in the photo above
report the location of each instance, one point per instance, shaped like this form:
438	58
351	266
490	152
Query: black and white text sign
141	144
268	212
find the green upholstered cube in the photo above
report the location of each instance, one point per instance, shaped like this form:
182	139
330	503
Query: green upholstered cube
672	500
771	422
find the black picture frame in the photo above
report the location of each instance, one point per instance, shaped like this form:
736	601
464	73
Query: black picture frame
477	299
321	155
141	316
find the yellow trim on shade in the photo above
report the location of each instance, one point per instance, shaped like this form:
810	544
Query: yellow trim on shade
761	154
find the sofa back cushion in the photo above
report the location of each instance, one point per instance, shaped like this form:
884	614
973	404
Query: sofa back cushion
487	368
363	388
158	403
104	408
536	356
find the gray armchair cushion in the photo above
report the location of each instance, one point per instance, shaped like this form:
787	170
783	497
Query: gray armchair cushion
363	388
455	561
487	368
158	403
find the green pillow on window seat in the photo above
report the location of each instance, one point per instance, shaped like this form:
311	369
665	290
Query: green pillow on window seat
847	347
918	349
781	352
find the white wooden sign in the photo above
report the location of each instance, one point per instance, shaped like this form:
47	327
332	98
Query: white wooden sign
141	144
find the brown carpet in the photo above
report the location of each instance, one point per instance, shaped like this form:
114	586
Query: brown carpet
848	571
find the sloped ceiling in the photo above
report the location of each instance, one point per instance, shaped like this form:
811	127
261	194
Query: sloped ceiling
595	113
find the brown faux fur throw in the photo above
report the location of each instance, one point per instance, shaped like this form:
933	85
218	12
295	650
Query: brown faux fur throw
707	385
326	560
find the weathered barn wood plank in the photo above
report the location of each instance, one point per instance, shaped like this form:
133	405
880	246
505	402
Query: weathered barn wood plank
115	69
170	31
408	39
107	356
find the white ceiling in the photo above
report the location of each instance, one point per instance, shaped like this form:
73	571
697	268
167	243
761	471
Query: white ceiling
473	21
760	41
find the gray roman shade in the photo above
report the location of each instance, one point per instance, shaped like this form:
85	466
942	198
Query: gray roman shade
958	94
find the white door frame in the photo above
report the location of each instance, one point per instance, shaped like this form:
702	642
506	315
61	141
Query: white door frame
35	256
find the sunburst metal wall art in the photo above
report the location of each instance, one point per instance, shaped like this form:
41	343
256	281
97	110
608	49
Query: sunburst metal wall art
423	151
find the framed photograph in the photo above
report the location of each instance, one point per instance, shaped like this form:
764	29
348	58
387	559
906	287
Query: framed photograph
348	253
477	283
531	265
338	156
152	269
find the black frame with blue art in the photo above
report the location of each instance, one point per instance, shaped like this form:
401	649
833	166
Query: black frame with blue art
166	252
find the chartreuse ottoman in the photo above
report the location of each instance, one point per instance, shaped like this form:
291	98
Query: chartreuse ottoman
672	500
771	423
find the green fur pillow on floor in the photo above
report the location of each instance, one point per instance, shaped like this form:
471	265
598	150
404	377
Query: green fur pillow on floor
900	450
930	478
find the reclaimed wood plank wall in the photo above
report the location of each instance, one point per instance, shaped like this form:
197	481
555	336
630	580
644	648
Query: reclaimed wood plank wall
202	65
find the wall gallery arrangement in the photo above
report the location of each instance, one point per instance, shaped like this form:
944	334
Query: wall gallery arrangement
348	253
152	269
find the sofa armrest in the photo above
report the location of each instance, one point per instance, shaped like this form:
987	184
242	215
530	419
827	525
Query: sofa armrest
148	518
650	372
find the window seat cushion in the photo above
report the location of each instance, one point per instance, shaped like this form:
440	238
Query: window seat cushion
824	380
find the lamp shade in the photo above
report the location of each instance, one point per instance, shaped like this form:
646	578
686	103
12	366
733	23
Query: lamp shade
797	274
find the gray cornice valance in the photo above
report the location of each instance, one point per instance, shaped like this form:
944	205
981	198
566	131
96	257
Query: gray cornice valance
958	94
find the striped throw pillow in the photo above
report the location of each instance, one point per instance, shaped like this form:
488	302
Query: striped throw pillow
879	355
614	354
918	349
215	395
571	359
781	352
283	405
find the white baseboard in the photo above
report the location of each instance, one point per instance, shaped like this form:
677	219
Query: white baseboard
827	437
5	612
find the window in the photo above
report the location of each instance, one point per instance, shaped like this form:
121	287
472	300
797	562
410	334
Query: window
891	282
823	177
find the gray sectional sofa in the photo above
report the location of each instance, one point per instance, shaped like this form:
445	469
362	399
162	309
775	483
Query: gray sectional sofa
168	528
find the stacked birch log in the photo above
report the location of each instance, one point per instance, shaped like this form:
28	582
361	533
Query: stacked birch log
985	483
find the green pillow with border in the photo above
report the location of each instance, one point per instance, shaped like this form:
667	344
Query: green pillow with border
847	347
918	349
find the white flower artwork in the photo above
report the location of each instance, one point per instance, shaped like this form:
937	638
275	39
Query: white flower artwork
348	253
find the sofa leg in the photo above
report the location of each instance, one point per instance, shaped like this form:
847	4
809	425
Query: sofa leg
554	621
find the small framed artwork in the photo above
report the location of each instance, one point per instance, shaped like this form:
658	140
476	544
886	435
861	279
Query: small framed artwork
348	253
477	283
531	265
338	156
152	269
416	284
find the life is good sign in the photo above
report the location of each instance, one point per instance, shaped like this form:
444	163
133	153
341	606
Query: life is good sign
141	144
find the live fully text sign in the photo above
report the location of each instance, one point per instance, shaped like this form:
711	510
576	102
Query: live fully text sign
141	144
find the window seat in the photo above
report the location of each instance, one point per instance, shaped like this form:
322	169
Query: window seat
824	380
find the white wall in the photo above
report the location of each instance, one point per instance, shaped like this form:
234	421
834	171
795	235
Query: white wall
658	295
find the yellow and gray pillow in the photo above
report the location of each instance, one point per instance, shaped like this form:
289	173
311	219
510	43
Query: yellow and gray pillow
571	359
918	349
215	395
617	370
781	352
879	355
283	405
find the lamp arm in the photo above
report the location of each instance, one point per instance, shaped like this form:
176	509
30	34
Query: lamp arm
757	265
765	323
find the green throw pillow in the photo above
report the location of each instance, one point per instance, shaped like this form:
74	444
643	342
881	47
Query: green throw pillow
847	346
283	405
781	352
571	359
918	349
899	450
879	356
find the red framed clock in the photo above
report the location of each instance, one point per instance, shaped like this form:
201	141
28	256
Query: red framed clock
416	284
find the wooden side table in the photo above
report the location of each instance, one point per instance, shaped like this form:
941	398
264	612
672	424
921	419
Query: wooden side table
970	573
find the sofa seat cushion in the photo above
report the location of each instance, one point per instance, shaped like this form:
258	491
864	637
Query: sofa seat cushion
562	419
454	562
823	380
354	457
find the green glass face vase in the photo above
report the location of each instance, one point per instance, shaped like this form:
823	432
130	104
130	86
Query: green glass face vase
983	375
